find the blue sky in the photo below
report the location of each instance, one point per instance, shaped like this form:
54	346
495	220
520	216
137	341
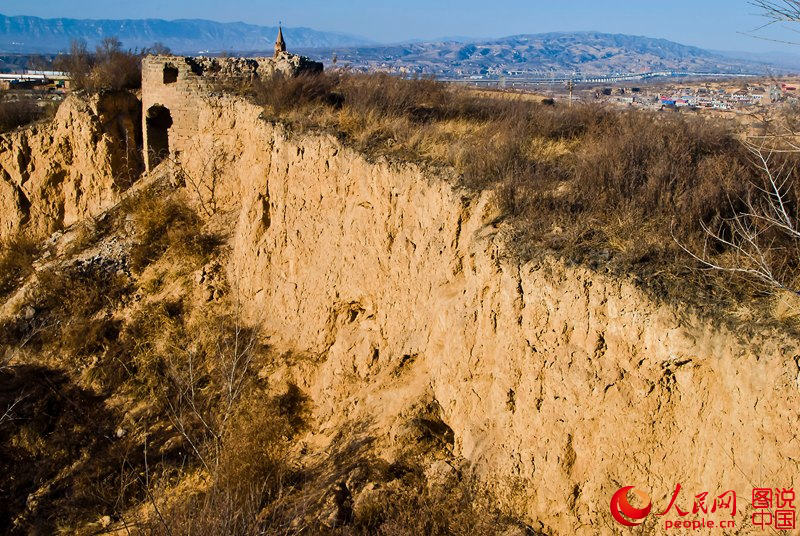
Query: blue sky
711	24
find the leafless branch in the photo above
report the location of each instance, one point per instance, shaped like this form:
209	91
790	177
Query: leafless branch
203	182
754	234
776	12
779	10
232	360
150	493
9	413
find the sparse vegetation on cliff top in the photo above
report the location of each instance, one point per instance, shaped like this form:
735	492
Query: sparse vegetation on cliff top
599	186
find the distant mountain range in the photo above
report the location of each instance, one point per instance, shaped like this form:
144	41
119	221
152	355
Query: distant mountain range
591	53
543	54
35	35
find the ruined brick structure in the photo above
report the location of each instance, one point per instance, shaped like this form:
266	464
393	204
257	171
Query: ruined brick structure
172	84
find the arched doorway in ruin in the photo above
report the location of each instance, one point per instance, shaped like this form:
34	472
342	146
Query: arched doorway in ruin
159	121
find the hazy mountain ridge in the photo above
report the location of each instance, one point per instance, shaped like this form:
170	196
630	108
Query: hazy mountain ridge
585	52
36	35
561	52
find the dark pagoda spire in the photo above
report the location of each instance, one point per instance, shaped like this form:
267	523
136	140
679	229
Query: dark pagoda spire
280	44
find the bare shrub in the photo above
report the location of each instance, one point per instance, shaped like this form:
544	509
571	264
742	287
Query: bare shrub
77	64
204	179
254	470
115	68
109	68
760	239
198	367
158	48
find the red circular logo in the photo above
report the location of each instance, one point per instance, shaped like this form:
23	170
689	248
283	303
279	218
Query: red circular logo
622	510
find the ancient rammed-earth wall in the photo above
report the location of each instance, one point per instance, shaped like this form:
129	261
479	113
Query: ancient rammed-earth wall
390	287
560	384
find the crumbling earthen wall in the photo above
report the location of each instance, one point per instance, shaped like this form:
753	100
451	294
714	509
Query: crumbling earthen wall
560	384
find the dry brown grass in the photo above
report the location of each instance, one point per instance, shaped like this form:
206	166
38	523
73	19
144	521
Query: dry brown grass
67	304
73	304
16	262
263	491
165	224
88	332
415	506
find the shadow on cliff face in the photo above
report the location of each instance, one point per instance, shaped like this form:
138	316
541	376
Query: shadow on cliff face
120	115
58	456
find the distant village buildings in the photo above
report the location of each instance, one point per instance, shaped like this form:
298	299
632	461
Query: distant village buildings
703	96
33	80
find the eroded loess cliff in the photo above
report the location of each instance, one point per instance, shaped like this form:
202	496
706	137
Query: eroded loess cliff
56	173
560	384
390	288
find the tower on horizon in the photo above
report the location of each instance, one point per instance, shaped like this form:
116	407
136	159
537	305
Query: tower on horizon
280	44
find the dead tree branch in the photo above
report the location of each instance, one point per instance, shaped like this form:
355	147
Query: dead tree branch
755	236
779	10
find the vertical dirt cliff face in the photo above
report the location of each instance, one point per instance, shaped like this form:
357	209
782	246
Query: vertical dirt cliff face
56	173
560	385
